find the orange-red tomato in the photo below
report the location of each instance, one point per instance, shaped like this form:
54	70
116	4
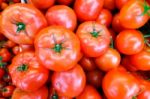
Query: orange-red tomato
88	10
120	3
62	15
109	60
5	54
21	22
89	92
69	83
109	4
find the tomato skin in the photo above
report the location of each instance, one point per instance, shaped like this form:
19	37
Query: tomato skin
65	2
120	3
62	15
41	93
130	42
9	44
5	54
131	16
94	38
8	91
43	4
24	21
87	63
105	17
109	60
89	92
119	84
2	72
16	1
94	78
88	10
67	85
68	51
109	4
26	72
141	60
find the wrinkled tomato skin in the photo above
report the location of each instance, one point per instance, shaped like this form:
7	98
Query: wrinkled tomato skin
88	10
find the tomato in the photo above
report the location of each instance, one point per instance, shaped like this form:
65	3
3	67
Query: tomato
88	10
21	22
65	2
130	42
69	83
2	72
87	63
43	4
94	38
5	54
119	84
89	93
41	93
109	60
105	17
141	59
109	4
56	46
116	25
4	5
26	72
8	90
134	14
120	3
1	2
62	15
95	78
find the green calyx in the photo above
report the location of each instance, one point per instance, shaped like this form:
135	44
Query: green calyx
2	64
20	26
134	97
95	34
22	67
55	96
147	41
57	48
146	8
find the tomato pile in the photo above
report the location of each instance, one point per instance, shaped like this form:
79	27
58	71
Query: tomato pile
74	49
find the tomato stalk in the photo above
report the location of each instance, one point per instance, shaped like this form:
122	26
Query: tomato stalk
20	26
22	67
95	33
147	41
55	96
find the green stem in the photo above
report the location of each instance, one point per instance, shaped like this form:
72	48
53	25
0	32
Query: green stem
112	43
55	96
22	67
20	26
57	48
146	8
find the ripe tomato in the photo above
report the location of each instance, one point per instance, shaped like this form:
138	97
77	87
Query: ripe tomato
119	84
41	93
141	59
64	2
8	91
94	38
26	72
95	78
134	14
69	83
120	3
130	42
62	15
21	22
105	17
109	4
89	92
88	10
109	60
116	25
57	48
5	54
2	72
4	5
42	4
87	63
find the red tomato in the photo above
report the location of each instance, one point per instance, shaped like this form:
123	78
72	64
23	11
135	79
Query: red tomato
134	14
2	72
141	59
109	4
88	10
8	91
105	17
57	48
109	60
87	63
5	54
120	3
94	38
65	2
130	42
119	84
116	25
41	93
69	83
89	92
95	78
26	72
62	15
42	4
21	22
